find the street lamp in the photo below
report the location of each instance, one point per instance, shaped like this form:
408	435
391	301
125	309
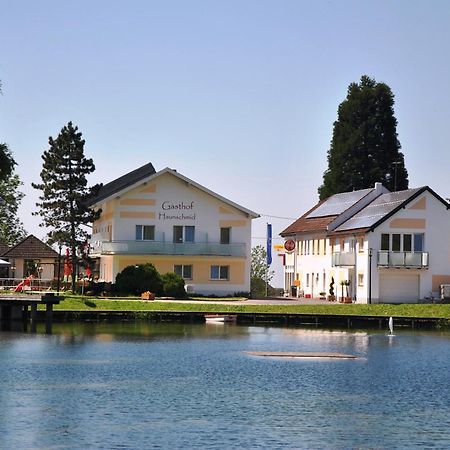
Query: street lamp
58	284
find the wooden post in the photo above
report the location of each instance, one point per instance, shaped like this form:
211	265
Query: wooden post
33	317
48	318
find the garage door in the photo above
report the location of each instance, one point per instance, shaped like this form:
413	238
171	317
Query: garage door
399	288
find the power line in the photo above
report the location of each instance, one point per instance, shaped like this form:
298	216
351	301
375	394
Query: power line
278	217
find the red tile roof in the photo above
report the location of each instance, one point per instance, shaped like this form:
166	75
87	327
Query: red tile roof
305	225
31	248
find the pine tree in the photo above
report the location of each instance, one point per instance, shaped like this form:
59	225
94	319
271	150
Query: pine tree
64	192
365	147
11	228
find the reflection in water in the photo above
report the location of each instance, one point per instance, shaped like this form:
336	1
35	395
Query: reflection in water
145	385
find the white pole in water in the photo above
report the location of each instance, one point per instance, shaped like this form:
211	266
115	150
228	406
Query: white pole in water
391	325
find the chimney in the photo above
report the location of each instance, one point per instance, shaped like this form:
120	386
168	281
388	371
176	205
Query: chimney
378	186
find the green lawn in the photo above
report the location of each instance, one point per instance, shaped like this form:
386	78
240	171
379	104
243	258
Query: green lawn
405	310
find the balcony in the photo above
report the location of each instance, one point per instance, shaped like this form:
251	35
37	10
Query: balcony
343	259
411	260
165	248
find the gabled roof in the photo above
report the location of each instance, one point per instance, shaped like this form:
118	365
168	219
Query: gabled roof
152	176
3	248
121	183
306	223
31	247
382	208
319	217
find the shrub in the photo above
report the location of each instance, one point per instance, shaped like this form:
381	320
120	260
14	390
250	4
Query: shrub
140	278
173	285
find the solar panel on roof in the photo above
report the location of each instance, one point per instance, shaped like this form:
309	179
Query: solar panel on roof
338	203
376	210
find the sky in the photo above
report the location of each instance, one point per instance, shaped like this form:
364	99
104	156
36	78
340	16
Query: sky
239	96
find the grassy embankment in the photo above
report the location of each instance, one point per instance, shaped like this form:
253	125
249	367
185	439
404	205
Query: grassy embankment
109	304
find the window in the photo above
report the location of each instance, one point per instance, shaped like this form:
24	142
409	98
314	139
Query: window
307	280
361	245
145	232
219	272
407	242
384	242
183	234
360	279
225	234
418	242
183	271
395	242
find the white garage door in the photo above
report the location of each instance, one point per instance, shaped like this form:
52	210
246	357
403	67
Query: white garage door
399	288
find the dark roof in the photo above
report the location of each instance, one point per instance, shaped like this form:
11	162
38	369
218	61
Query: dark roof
31	247
307	224
382	208
3	248
122	182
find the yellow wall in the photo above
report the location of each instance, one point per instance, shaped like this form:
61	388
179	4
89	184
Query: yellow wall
201	267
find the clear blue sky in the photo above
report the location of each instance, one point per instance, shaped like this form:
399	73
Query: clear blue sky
240	96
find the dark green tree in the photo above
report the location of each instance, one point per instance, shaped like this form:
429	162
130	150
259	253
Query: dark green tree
64	188
11	228
138	279
365	147
173	285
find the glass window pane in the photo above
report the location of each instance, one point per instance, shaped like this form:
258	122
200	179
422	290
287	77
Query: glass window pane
215	272
189	234
138	232
177	233
225	235
395	242
407	242
178	270
187	272
224	272
418	242
384	242
149	232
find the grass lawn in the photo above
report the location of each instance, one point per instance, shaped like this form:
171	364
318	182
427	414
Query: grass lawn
108	304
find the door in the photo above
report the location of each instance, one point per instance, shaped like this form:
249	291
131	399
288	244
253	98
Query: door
399	288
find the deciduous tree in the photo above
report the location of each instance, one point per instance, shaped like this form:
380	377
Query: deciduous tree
259	273
365	147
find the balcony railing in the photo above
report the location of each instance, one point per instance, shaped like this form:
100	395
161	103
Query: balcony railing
339	259
166	248
403	259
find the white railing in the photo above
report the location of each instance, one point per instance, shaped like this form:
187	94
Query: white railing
166	248
403	259
339	259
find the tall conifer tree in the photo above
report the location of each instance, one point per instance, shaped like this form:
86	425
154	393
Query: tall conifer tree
365	148
64	192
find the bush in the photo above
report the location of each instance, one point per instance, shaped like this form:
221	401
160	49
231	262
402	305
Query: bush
173	285
140	278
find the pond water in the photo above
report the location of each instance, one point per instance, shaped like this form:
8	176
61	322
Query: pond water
172	386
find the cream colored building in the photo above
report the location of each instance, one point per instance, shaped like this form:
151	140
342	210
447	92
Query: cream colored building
389	246
176	224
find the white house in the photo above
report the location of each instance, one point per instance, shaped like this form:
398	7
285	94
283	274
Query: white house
178	225
389	246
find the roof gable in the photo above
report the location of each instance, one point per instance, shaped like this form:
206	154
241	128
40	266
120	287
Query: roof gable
31	247
186	180
384	207
123	182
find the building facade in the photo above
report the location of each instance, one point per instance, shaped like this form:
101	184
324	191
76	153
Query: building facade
176	224
377	246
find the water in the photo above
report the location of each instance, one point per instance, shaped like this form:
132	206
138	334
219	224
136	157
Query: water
139	386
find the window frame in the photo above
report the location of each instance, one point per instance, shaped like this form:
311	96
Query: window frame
220	272
142	232
182	271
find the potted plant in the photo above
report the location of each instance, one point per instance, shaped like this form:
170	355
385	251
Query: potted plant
331	297
323	295
341	298
347	298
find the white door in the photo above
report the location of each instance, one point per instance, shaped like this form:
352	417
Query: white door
399	287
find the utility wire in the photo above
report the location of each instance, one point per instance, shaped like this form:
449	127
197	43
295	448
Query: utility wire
278	217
